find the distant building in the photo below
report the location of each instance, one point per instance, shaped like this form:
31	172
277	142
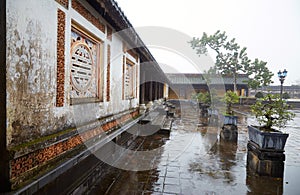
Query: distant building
293	90
184	85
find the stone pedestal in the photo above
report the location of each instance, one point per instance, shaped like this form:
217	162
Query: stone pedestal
204	110
263	185
229	132
143	108
171	109
265	162
149	106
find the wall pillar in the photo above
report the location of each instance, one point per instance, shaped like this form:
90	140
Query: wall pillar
142	88
4	160
155	91
159	90
150	91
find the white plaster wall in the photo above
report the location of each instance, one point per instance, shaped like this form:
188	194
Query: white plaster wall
31	71
116	103
31	64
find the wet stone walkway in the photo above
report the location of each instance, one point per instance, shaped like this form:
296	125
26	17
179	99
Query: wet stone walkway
192	159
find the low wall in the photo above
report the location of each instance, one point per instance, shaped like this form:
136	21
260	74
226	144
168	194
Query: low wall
36	158
294	103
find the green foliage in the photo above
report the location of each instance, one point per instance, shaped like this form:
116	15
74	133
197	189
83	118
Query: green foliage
259	74
286	96
231	59
230	98
202	97
209	74
271	111
259	95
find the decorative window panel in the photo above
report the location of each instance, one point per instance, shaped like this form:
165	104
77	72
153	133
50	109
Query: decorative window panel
84	65
129	79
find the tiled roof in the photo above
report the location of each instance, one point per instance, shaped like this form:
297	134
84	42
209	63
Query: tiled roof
177	78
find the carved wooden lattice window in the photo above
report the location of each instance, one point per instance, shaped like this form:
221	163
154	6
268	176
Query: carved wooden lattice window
129	80
84	65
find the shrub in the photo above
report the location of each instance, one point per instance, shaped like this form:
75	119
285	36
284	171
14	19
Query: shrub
286	96
259	95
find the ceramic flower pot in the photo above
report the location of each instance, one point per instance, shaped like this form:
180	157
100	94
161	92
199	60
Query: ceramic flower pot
267	140
230	120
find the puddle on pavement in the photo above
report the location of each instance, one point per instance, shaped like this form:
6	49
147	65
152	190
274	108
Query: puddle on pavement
194	160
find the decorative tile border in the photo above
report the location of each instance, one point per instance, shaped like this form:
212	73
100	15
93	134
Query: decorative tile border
85	13
109	33
60	79
34	159
64	3
108	74
123	78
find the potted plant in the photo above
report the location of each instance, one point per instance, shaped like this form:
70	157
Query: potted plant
230	98
272	114
204	100
213	112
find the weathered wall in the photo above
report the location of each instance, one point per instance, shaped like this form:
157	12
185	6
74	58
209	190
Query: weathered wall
31	72
31	40
39	128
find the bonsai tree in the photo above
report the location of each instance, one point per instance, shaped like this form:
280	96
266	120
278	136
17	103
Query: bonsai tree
259	95
271	111
204	98
201	97
230	98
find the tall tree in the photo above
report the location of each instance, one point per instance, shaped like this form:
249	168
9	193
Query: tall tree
231	59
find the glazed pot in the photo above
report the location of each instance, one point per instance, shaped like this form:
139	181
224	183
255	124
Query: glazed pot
267	140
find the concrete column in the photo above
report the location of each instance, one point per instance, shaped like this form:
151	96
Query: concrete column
142	87
150	90
4	160
155	90
160	90
142	92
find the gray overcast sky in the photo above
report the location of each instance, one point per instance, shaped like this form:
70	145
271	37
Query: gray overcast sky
270	29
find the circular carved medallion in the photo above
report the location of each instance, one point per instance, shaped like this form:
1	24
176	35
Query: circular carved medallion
81	67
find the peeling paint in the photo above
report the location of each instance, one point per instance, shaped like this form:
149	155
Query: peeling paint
30	82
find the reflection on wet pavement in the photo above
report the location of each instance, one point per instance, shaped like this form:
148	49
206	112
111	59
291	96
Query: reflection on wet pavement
193	160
